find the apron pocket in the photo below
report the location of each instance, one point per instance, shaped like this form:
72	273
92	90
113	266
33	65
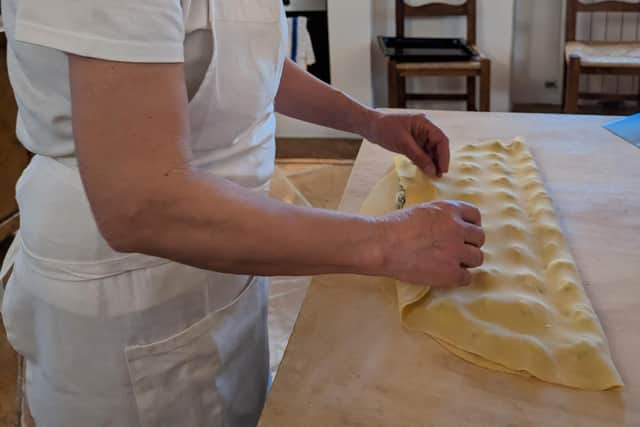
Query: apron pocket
18	317
174	380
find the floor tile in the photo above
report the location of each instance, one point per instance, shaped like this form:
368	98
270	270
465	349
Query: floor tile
317	148
323	187
294	168
319	184
283	190
286	295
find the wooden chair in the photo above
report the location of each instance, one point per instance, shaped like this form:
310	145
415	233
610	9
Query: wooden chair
479	66
596	57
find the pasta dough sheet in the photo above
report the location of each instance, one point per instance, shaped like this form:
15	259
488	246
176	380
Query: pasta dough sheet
526	311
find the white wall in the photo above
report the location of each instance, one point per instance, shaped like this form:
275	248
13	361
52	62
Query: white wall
537	51
539	46
349	45
495	36
358	67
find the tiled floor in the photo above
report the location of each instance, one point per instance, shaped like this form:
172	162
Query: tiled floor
302	183
321	185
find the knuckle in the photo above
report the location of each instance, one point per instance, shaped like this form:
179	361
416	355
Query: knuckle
483	237
466	281
427	209
459	251
473	257
456	228
472	209
463	277
441	206
451	206
452	277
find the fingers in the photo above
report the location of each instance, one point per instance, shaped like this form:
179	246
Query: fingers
442	149
464	277
473	235
435	143
428	147
421	159
469	213
471	257
440	146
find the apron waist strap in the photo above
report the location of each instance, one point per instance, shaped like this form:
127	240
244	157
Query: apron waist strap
87	270
68	247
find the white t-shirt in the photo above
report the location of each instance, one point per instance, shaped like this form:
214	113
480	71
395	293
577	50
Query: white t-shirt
40	31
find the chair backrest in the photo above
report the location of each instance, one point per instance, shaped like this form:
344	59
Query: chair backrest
468	9
577	6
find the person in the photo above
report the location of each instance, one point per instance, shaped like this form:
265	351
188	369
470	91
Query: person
138	292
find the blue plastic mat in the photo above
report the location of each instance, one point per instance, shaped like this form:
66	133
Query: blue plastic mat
627	128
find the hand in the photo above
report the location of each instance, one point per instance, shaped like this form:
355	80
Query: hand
413	135
433	243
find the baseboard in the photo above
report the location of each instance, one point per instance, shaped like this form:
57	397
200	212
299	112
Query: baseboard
620	109
317	148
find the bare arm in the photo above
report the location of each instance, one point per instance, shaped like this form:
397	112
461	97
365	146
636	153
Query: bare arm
132	138
307	98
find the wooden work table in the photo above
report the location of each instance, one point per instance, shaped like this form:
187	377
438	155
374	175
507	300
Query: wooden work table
349	362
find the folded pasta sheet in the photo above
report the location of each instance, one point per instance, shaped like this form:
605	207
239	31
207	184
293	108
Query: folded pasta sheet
526	311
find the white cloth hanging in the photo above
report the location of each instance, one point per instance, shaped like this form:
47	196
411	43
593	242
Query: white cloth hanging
300	46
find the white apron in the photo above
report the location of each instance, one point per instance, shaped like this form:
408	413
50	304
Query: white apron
126	340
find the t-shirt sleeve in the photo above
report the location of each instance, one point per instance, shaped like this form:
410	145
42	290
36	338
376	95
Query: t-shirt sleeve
117	30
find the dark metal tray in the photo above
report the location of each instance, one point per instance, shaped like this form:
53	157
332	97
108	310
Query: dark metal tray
417	49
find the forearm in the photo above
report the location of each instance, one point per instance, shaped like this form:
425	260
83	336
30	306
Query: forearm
304	97
210	223
132	136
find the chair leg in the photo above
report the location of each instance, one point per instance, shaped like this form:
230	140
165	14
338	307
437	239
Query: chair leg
564	85
392	84
402	91
471	93
572	85
485	84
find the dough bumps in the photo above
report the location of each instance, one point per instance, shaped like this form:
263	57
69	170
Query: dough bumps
526	311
